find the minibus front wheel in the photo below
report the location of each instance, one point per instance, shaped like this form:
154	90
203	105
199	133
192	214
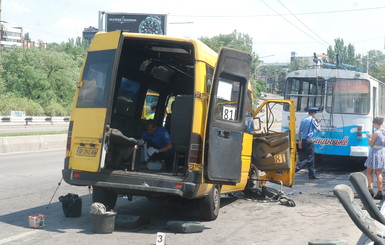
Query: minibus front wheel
210	204
106	196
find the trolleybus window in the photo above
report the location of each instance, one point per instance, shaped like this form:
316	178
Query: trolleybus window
348	96
305	93
381	98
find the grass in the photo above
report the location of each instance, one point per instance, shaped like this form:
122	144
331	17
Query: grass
33	133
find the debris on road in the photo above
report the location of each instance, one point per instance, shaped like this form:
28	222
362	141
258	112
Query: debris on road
72	205
266	194
185	226
102	221
36	221
130	221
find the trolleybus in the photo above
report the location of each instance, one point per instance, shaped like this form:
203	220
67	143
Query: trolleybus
348	102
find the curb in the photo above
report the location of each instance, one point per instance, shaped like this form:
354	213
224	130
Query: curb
32	143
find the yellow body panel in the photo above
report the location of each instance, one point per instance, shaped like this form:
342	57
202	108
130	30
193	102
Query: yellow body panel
89	122
105	42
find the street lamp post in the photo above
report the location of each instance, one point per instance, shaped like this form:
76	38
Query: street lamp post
256	67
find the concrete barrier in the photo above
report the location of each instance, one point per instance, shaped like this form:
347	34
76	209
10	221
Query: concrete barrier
26	120
32	143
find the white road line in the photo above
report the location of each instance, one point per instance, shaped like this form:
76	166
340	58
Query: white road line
13	238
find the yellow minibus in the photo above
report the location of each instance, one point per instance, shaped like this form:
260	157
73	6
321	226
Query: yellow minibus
202	100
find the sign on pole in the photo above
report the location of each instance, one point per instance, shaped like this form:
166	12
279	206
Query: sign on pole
137	23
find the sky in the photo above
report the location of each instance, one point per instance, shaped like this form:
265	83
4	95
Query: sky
277	27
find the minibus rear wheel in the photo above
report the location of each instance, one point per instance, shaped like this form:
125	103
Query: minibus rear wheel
105	196
210	204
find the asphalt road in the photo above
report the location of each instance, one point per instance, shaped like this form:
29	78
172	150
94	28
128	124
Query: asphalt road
28	181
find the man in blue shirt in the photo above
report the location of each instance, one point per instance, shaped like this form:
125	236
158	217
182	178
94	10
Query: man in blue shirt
159	138
305	134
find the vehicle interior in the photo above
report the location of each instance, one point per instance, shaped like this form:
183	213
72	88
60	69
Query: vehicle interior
155	80
271	143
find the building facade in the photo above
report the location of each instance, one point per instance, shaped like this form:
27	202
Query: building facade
11	36
89	33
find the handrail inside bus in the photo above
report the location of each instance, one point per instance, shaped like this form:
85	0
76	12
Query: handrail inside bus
307	95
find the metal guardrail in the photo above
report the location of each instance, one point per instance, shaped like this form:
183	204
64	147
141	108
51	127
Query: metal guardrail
34	119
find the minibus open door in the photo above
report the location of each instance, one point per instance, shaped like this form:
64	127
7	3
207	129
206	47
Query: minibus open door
89	119
226	120
274	147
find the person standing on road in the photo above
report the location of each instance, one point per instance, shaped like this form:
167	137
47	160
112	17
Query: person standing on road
305	135
376	158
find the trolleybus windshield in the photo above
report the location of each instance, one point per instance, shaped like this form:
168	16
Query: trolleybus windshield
348	96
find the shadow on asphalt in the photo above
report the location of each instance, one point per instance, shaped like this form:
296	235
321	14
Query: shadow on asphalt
157	212
340	164
55	221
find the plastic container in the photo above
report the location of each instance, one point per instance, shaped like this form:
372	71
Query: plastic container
103	223
36	221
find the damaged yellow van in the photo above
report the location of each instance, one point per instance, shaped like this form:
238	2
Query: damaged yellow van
199	97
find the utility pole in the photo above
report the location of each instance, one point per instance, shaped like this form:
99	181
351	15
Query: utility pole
1	29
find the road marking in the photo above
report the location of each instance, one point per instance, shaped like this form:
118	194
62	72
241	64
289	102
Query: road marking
13	238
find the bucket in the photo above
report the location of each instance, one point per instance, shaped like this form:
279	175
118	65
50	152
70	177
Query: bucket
36	221
103	223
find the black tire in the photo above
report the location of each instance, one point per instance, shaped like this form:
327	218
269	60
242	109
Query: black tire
210	204
105	196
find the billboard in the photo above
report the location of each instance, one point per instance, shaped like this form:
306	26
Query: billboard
138	23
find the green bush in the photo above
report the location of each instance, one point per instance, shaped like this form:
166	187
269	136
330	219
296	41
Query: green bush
54	109
9	102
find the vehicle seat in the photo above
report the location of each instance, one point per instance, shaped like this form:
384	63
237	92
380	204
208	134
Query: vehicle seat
373	229
266	147
181	124
120	149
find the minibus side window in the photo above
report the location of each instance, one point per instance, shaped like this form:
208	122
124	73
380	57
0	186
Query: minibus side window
209	78
96	80
127	98
227	100
149	106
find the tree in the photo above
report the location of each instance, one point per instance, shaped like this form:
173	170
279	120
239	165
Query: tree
26	37
45	77
375	62
274	77
299	64
75	48
239	41
346	54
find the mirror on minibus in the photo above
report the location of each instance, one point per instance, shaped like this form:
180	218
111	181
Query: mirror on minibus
257	124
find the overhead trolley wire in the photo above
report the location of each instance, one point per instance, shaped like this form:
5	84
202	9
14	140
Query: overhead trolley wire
277	14
303	23
294	24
